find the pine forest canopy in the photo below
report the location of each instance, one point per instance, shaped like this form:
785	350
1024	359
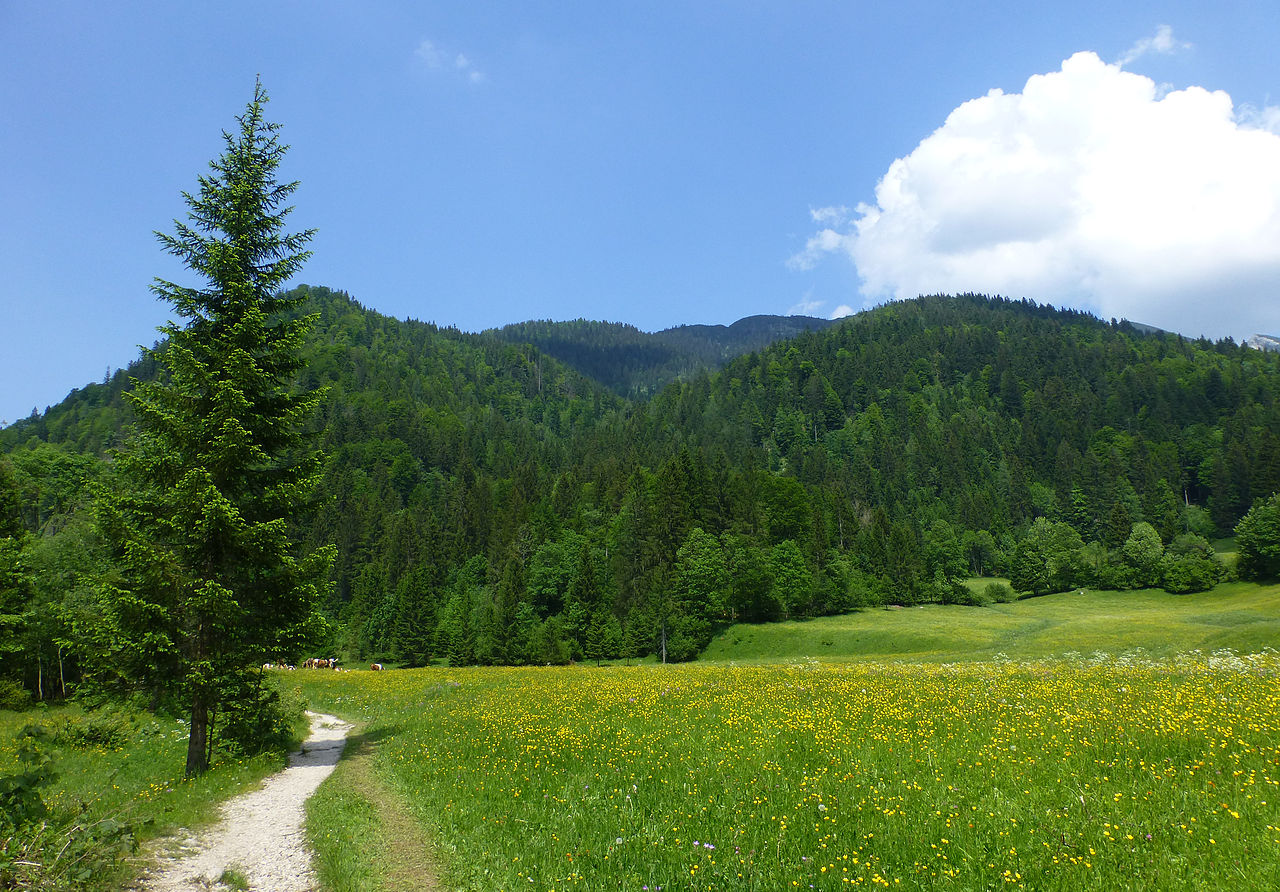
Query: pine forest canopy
488	503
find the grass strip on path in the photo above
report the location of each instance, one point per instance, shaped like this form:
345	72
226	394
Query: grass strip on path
363	836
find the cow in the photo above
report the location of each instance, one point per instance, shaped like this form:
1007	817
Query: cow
375	667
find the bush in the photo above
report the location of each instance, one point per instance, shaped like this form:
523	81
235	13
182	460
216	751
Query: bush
105	729
13	695
21	802
256	719
999	593
1190	565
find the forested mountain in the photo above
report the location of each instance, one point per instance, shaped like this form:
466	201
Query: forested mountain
489	503
634	363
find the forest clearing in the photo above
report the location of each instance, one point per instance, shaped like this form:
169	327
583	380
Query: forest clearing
1100	768
1108	772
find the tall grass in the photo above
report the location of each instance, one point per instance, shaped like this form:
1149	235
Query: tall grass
1075	773
118	782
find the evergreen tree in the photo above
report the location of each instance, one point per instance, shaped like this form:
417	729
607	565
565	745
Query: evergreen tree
212	586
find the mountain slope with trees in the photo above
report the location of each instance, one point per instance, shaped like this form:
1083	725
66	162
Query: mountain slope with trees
489	503
633	363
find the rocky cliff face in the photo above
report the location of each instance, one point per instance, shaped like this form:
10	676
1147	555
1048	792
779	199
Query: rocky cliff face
1264	342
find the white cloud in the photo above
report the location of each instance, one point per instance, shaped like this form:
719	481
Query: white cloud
1162	43
437	58
1088	188
430	54
816	248
841	311
832	216
1265	118
806	306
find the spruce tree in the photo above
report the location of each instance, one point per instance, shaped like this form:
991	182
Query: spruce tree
212	587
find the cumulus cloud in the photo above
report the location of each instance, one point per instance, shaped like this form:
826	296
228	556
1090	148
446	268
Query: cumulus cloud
437	58
1091	188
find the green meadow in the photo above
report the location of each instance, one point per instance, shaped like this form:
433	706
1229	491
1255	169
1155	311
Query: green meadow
116	782
1076	741
1068	742
1240	616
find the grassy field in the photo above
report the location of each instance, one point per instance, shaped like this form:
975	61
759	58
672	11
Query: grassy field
119	778
1110	773
1241	616
1027	745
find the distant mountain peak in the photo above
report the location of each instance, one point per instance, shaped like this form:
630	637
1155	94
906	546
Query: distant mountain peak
1269	343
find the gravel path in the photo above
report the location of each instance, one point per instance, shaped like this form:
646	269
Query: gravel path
261	833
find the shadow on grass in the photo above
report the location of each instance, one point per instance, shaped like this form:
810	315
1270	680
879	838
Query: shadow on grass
365	742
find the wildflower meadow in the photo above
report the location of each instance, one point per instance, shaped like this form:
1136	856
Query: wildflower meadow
1072	773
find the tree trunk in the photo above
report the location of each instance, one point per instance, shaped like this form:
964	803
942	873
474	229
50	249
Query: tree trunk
212	735
197	743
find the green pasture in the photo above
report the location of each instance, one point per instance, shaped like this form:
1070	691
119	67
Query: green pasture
1093	773
118	781
1242	616
1066	742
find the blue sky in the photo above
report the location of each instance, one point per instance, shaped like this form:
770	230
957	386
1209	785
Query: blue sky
656	163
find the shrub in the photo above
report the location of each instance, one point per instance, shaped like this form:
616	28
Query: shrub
13	695
999	592
1190	565
100	729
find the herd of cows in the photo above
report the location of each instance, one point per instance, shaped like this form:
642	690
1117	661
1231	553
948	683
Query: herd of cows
320	663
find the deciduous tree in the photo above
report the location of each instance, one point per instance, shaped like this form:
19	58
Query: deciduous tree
1258	540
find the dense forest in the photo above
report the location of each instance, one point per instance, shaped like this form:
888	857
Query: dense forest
496	501
634	363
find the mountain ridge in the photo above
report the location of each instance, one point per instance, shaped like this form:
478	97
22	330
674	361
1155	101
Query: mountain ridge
635	363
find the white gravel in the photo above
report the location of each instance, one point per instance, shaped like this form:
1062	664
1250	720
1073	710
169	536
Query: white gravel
261	833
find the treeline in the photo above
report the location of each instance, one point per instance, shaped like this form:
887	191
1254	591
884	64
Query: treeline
491	504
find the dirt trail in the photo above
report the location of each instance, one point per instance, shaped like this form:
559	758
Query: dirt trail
261	833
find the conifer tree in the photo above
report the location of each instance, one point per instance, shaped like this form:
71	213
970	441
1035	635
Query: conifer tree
211	585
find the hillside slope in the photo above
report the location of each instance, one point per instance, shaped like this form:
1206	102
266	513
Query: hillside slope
491	504
634	363
1241	616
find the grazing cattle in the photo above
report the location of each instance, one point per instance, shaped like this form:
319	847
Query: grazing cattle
376	667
